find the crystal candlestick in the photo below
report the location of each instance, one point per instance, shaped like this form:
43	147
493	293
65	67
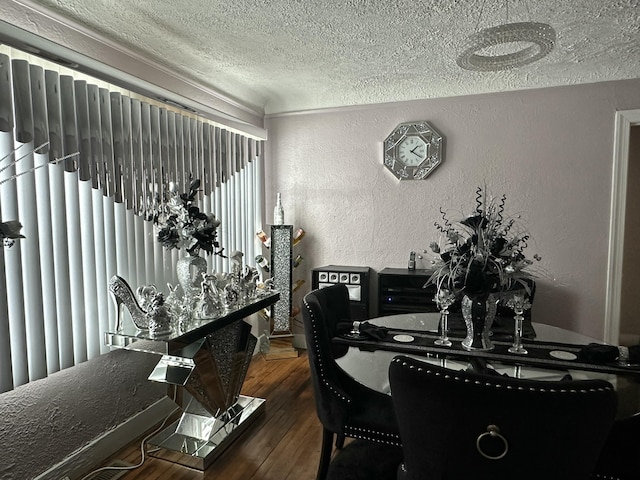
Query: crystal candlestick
519	303
355	329
444	299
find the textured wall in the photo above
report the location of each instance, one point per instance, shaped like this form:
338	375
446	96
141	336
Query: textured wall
43	422
549	150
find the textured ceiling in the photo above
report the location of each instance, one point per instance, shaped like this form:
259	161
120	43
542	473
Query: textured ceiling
291	55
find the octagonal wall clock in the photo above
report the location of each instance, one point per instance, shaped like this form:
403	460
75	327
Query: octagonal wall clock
413	150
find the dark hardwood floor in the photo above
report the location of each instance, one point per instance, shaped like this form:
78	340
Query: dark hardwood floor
283	443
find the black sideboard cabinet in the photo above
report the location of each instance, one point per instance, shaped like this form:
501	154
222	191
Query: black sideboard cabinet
355	278
401	291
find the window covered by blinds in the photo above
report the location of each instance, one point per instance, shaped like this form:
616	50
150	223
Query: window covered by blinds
83	165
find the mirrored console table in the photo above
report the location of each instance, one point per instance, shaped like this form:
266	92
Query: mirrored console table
208	359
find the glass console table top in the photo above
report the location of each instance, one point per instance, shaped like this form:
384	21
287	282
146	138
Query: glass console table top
182	336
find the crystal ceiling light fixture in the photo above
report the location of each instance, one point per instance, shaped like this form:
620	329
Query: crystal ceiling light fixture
535	40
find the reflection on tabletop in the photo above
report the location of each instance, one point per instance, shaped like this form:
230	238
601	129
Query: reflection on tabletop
371	367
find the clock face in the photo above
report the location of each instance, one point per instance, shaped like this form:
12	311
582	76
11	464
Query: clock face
412	151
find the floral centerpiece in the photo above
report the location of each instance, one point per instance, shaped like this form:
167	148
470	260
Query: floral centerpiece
184	226
484	254
481	257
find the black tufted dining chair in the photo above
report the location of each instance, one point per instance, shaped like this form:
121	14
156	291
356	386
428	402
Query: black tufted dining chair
345	407
460	425
620	457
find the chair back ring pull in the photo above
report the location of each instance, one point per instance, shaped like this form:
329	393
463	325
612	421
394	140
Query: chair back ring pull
492	431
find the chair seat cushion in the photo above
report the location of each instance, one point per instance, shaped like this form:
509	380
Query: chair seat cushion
375	412
364	460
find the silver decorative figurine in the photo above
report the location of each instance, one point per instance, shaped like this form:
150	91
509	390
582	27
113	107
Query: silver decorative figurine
208	304
159	318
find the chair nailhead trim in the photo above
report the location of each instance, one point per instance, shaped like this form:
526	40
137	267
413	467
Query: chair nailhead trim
372	435
321	366
541	389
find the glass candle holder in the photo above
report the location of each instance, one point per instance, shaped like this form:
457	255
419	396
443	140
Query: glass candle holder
518	303
444	299
355	329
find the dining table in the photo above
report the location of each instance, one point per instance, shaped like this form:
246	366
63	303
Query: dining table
553	354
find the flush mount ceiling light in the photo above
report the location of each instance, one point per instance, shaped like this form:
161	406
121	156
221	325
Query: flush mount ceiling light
481	52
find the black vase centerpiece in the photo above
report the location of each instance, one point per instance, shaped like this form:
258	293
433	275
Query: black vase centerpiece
479	312
481	258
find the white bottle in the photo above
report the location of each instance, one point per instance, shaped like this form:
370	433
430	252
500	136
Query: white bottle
278	212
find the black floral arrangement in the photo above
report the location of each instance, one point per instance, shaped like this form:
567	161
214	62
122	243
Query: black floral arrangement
183	225
484	254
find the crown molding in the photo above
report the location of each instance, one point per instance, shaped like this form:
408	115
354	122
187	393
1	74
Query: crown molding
35	29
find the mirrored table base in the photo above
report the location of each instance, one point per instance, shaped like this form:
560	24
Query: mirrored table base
206	362
196	439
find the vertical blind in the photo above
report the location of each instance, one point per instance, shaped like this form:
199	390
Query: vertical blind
83	166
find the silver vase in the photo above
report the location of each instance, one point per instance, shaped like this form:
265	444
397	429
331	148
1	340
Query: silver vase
479	312
189	270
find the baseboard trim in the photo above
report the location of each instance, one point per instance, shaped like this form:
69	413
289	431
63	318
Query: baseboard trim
83	460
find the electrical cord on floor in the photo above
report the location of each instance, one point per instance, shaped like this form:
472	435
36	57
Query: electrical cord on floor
142	443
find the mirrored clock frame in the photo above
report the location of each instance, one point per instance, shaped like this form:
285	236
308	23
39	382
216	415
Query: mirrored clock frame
400	160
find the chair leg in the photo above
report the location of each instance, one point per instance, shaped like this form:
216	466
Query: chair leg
339	441
325	454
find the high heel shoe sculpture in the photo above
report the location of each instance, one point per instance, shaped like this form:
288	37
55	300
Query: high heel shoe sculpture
154	317
123	295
